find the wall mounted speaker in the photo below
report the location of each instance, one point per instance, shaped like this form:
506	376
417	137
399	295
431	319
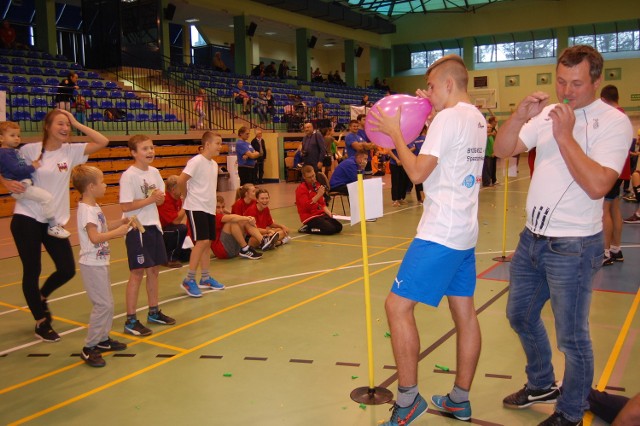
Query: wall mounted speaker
312	42
359	51
251	29
169	11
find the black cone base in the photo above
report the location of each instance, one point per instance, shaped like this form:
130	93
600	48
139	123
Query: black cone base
371	396
502	259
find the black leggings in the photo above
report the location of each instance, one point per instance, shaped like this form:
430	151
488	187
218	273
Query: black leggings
29	235
399	182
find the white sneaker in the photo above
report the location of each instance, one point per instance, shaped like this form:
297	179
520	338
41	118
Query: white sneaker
286	239
58	232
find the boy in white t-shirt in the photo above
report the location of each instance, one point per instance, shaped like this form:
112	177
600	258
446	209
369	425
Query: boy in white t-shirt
141	191
199	181
450	165
94	262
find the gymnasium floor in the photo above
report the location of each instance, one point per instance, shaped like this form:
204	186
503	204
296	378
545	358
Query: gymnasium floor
285	343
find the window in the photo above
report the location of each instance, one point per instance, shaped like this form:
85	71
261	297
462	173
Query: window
196	37
515	50
619	41
424	59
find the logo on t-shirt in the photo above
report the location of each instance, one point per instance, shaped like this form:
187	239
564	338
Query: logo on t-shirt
147	188
469	181
63	167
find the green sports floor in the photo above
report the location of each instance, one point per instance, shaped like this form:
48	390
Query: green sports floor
285	343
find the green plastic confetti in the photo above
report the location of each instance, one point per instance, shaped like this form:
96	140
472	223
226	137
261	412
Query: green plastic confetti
335	334
565	101
363	406
387	334
227	374
354	377
442	367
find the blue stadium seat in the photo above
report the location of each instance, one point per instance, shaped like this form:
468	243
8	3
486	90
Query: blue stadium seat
36	81
93	74
5	69
34	62
52	82
48	64
83	83
170	118
110	85
131	117
101	94
95	116
155	117
50	71
39	115
4	78
92	103
130	95
39	103
149	106
106	104
116	94
97	84
135	105
121	104
18	61
142	117
19	79
19	89
86	93
34	71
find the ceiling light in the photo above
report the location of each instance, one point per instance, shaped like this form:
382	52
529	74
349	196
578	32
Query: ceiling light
231	26
191	20
271	33
329	45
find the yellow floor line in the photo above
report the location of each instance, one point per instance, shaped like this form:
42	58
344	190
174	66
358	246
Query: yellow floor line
195	320
189	351
615	352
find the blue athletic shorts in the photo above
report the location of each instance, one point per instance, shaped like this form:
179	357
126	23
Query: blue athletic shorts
145	250
430	271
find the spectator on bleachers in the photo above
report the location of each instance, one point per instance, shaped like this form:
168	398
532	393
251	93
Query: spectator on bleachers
337	79
8	35
271	103
218	63
318	112
81	110
258	70
261	107
270	70
385	86
174	224
365	101
300	107
240	96
317	76
64	97
198	107
259	145
376	84
283	70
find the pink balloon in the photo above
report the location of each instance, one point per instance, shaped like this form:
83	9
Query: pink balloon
413	117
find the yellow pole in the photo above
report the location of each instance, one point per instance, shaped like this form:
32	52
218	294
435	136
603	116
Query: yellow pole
504	221
367	287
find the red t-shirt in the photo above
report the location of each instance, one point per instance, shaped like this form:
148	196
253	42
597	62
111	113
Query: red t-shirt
169	210
240	207
216	246
263	218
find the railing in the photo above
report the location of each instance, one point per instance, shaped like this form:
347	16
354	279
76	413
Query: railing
126	112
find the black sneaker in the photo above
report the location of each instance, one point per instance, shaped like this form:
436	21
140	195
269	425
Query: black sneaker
304	229
269	242
160	318
46	333
111	345
526	397
607	260
557	419
617	257
92	357
250	254
136	328
47	312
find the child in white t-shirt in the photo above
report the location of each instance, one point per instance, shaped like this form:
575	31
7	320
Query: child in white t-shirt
199	181
94	262
141	191
14	166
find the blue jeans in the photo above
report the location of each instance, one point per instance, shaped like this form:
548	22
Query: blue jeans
560	269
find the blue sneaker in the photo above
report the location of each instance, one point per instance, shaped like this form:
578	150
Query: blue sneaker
211	284
402	416
191	288
461	411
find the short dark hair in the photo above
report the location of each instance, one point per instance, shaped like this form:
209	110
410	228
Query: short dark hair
574	55
360	117
135	140
610	93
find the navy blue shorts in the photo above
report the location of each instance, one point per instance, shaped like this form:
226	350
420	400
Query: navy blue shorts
430	271
145	250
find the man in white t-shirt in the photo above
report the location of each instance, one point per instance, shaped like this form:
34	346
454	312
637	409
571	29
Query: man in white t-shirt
581	146
450	166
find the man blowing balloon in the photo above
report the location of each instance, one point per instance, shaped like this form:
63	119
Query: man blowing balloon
440	260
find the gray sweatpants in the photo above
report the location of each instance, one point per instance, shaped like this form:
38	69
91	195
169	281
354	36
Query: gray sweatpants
97	283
